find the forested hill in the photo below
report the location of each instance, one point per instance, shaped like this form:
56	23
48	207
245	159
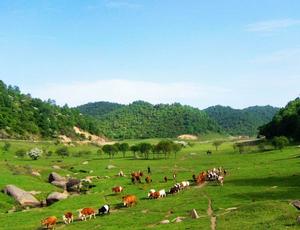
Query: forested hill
99	109
241	121
24	117
285	123
142	120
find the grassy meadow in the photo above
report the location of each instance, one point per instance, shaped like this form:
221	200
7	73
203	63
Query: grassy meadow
255	195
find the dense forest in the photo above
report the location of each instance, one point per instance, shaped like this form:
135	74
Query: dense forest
142	120
99	109
241	121
285	123
24	117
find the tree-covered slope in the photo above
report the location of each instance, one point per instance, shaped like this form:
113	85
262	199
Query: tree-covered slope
285	123
143	120
99	109
241	121
22	116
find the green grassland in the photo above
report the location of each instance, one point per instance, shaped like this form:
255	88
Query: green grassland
259	185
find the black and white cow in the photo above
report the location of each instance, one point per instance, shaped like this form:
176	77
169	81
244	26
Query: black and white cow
104	209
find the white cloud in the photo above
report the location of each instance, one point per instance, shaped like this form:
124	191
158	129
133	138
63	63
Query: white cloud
272	25
126	91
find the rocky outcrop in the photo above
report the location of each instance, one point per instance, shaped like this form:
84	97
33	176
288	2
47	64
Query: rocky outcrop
24	198
56	196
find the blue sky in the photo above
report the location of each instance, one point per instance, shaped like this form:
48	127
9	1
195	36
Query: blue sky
201	53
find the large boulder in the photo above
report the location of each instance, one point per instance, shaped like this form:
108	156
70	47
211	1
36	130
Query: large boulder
73	185
24	198
55	177
60	184
56	196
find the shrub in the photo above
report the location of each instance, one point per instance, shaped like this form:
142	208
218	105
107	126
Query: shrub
35	153
21	153
280	142
6	146
63	152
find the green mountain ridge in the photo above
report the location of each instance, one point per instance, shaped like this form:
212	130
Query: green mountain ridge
24	117
285	123
241	121
144	120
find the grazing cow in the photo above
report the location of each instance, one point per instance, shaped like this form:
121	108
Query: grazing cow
136	176
117	189
208	152
155	195
104	209
221	180
166	179
184	184
85	213
129	200
162	193
148	179
150	193
68	217
49	222
201	178
121	174
174	190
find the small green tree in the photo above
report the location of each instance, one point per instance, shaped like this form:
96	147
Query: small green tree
280	142
176	148
124	147
111	150
134	149
145	149
217	144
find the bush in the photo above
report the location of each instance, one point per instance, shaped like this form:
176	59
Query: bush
49	153
63	152
21	153
280	142
82	153
6	146
35	153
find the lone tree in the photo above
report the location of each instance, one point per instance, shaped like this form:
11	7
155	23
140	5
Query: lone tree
134	149
176	147
217	144
280	142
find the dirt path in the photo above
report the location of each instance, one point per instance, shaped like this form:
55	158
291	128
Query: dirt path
210	213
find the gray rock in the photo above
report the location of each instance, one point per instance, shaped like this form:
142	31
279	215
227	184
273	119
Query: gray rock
110	166
194	214
60	184
24	198
56	167
164	222
55	177
56	196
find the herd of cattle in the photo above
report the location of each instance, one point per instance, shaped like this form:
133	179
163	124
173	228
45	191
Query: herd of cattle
215	174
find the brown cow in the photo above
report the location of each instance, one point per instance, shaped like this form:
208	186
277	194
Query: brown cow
49	222
201	178
129	200
148	179
68	217
86	212
118	189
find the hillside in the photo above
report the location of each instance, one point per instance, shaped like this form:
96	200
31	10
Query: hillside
285	123
241	121
99	109
142	120
24	117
